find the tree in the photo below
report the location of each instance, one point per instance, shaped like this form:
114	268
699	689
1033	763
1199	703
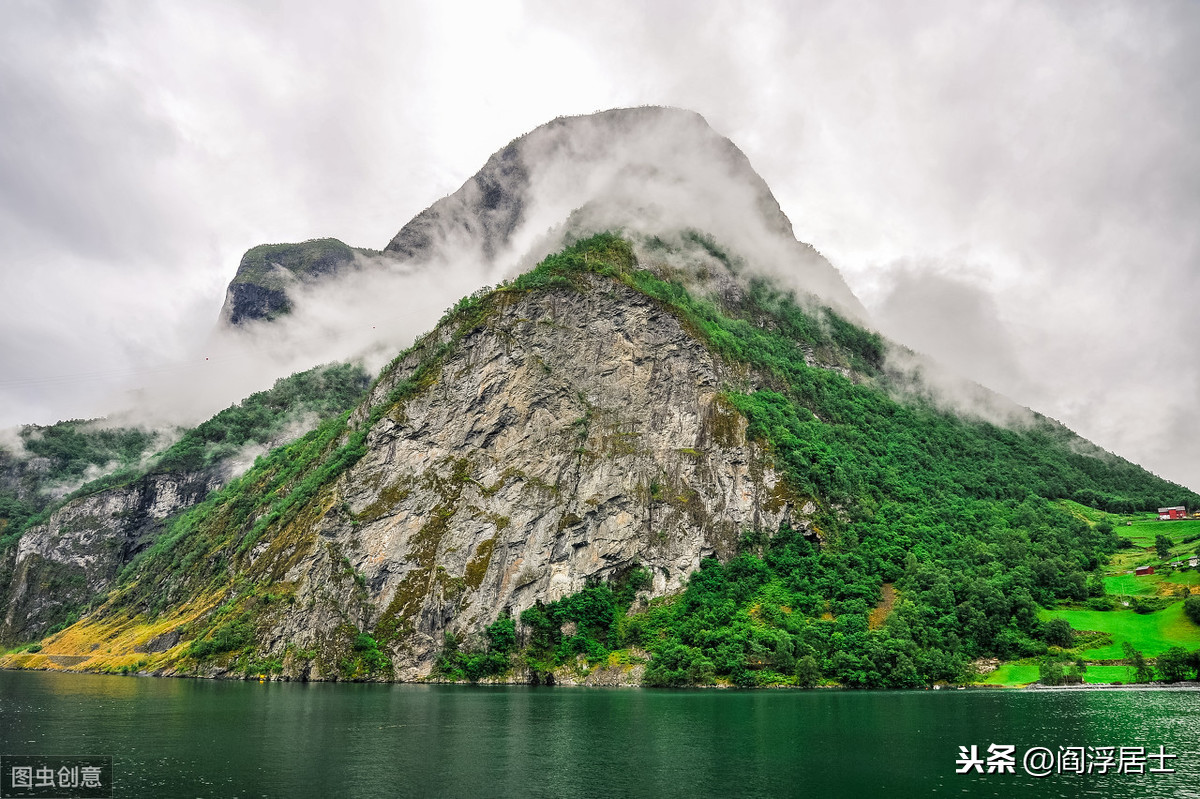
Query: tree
502	635
1050	672
1058	632
1191	607
1162	545
808	674
1174	664
1136	667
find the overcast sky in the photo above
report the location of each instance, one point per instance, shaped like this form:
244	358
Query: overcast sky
1013	188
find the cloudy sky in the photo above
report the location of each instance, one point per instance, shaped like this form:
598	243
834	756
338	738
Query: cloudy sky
1013	188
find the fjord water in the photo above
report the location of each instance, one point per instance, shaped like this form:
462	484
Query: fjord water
193	738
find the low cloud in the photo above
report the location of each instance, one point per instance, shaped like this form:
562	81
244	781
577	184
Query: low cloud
1044	150
366	316
952	319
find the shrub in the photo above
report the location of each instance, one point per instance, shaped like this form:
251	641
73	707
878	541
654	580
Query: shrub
1174	664
1058	632
1191	607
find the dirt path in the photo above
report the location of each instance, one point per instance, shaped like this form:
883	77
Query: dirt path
884	608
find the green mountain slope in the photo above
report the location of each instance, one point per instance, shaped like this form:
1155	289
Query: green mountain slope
955	512
892	541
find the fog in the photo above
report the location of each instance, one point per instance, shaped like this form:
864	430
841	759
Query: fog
1009	188
649	171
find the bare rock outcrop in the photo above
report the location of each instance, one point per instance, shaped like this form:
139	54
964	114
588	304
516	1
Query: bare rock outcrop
61	565
571	436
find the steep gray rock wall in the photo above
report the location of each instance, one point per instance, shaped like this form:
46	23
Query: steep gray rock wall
246	302
62	564
570	437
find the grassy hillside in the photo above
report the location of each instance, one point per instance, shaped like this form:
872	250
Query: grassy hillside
1149	633
305	259
322	392
1142	611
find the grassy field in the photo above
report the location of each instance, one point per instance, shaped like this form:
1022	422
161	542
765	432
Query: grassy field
1159	583
1143	531
1132	584
1150	633
1025	672
1098	675
1017	672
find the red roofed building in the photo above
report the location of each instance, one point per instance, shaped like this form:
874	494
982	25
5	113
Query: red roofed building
1165	514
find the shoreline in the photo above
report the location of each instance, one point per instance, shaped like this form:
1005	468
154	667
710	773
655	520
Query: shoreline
1189	685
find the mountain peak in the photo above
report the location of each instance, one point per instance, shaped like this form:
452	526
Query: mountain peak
648	169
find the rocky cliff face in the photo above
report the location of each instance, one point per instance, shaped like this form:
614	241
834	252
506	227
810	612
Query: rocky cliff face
259	289
59	567
538	442
485	212
572	437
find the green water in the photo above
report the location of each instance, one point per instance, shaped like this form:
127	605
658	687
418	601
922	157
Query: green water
190	738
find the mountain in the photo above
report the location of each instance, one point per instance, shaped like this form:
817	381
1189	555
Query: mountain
61	546
647	169
259	289
668	451
633	459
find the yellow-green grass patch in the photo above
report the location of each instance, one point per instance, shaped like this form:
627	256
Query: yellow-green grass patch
111	643
1130	559
1090	514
